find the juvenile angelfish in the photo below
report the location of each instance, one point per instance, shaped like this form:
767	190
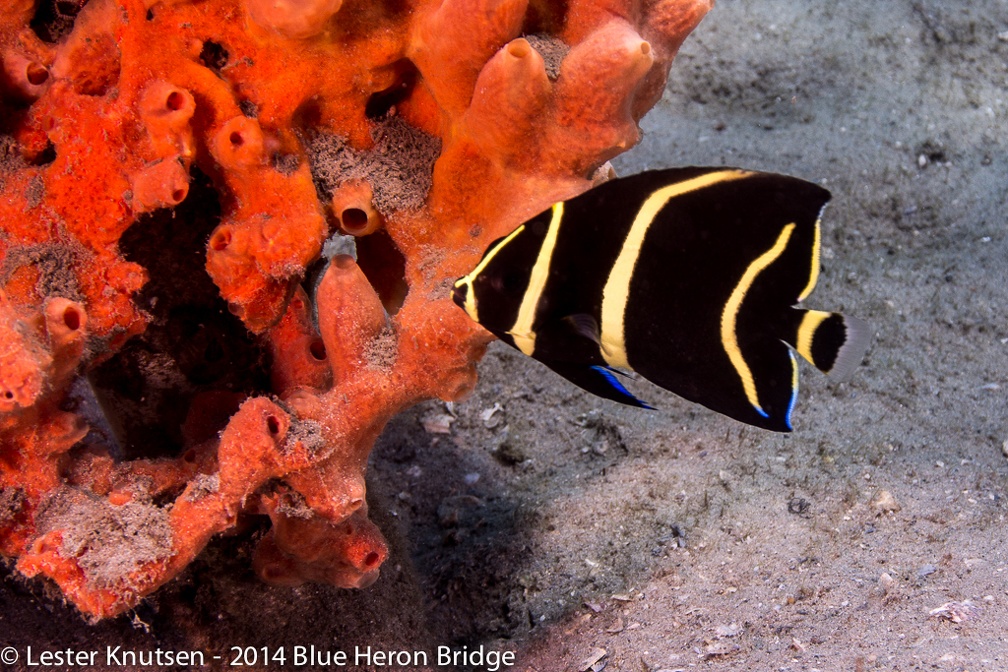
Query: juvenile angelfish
689	277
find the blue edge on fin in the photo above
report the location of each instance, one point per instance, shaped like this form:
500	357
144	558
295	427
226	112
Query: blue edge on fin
794	393
607	373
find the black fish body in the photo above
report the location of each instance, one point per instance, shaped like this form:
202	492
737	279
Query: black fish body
687	276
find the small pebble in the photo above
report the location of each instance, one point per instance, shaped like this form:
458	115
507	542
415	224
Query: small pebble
885	502
730	630
437	423
957	612
491	417
593	660
509	451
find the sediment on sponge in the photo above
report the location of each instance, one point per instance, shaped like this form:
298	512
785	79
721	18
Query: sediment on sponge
552	50
169	173
398	168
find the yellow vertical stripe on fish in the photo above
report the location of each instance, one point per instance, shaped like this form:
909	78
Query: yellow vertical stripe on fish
806	331
470	300
729	338
617	287
814	273
522	332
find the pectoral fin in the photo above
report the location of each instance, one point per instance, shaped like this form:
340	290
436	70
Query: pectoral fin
586	326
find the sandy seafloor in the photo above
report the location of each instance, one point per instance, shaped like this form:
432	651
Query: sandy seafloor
678	539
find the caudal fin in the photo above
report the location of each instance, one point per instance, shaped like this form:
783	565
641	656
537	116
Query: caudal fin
833	343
